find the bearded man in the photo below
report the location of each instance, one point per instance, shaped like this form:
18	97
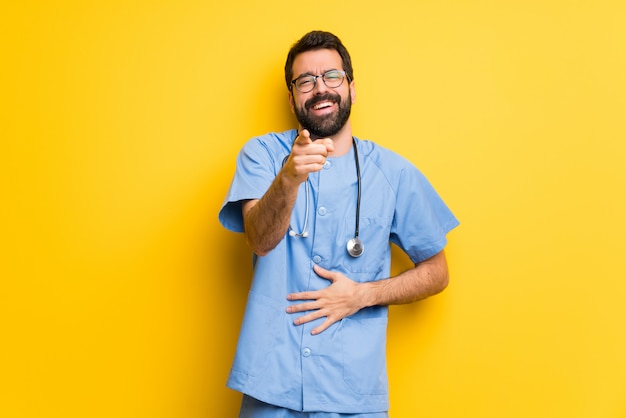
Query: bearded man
319	208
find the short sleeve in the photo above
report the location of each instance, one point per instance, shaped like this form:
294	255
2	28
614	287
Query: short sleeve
421	219
257	164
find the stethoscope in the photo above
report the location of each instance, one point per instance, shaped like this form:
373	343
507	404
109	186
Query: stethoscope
354	246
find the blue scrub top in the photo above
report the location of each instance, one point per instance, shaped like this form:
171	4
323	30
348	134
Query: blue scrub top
343	369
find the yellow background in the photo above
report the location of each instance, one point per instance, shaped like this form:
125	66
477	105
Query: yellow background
122	295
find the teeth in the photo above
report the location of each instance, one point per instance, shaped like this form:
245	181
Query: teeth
322	105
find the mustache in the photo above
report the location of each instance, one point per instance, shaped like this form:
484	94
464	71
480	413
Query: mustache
334	98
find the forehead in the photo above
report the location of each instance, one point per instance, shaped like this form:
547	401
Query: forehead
316	62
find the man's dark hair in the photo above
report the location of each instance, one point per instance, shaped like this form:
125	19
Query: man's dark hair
313	41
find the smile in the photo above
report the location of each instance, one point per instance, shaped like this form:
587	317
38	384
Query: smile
322	105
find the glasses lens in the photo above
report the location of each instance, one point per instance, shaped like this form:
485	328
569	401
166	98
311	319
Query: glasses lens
305	84
333	78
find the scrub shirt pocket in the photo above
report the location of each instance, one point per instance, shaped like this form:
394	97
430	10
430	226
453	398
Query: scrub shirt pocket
363	340
258	336
374	233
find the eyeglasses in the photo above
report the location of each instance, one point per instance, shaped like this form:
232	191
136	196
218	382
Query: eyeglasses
306	83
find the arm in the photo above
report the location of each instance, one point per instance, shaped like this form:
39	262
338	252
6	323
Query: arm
266	220
345	297
426	279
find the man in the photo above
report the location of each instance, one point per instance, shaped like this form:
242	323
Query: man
319	209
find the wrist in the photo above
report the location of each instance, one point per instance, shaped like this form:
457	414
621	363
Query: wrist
288	181
369	293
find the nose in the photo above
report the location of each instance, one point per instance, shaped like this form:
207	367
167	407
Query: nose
320	86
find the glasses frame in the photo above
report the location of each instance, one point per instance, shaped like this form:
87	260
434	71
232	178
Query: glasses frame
315	77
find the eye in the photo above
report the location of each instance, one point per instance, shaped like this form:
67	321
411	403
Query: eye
332	75
305	81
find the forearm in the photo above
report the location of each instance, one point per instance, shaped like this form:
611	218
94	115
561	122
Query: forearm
344	296
426	279
266	221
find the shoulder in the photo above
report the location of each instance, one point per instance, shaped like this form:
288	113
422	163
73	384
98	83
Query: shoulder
267	148
387	161
273	141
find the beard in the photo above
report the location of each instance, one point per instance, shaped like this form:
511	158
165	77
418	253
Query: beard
327	125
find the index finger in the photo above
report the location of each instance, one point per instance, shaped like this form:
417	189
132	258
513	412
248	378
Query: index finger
304	137
323	273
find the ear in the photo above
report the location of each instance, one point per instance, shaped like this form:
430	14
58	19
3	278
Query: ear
291	103
352	91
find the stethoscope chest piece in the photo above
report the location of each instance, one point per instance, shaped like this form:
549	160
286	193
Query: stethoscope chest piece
355	247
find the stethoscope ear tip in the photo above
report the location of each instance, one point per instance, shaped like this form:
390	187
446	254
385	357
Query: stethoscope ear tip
293	233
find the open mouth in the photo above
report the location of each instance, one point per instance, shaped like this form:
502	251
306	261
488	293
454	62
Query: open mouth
322	102
322	105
